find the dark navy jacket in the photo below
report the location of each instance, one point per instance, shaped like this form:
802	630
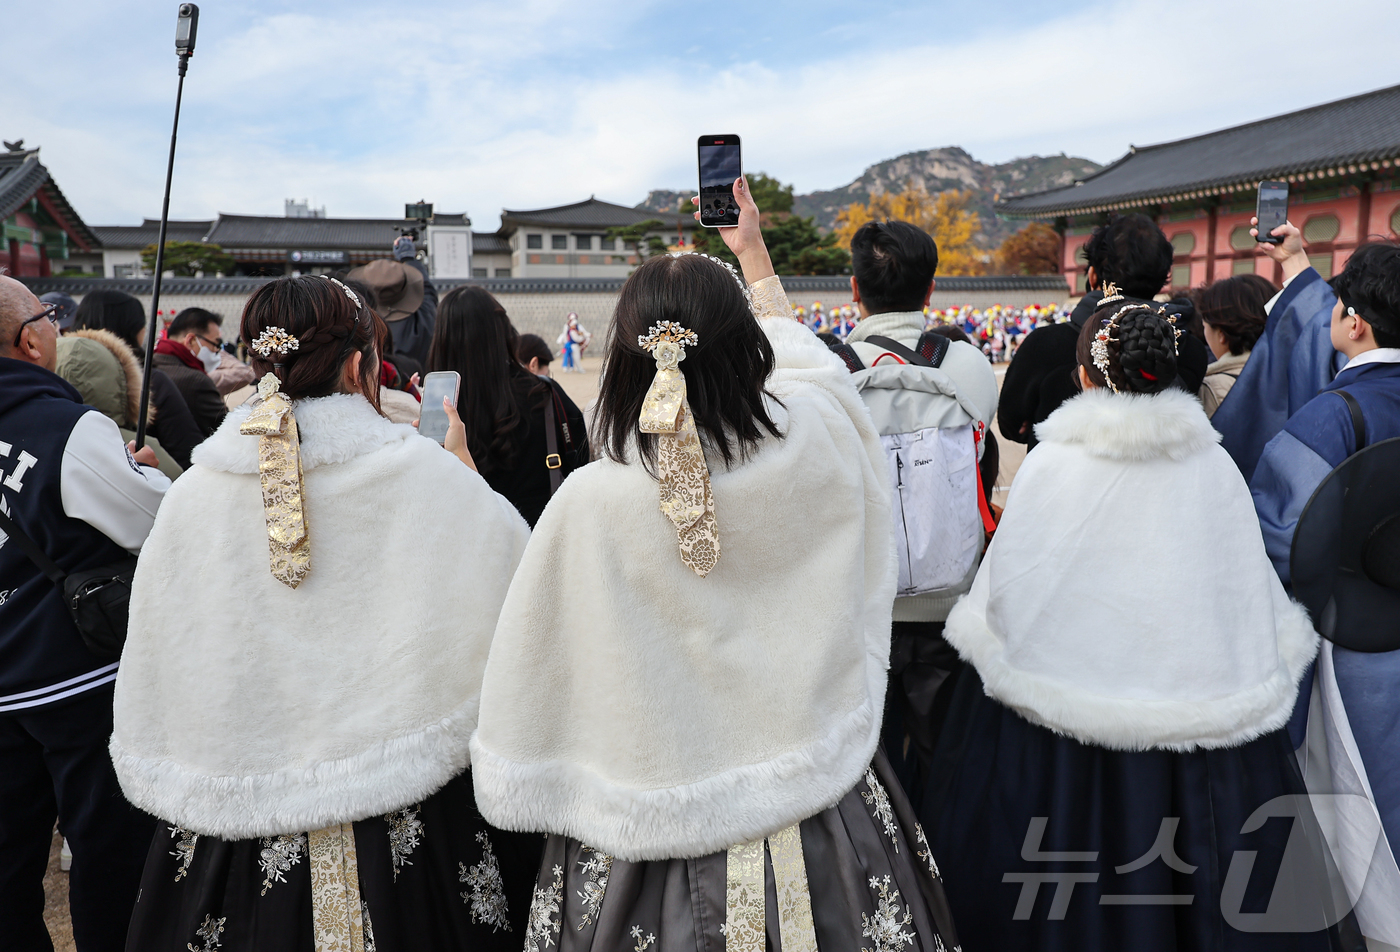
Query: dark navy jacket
42	657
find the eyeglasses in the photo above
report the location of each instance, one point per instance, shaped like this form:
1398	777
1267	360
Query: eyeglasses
213	344
50	312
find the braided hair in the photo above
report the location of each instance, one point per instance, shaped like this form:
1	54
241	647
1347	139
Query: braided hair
329	326
1141	348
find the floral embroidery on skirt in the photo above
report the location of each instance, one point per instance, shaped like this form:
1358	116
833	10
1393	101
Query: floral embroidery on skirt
405	833
487	897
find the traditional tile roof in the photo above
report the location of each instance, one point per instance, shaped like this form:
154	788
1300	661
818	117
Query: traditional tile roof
593	214
1360	134
489	244
265	231
139	236
23	177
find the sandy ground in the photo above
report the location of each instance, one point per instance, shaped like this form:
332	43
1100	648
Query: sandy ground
56	901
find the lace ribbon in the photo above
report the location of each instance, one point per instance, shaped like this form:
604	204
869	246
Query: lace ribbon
336	914
685	495
746	899
279	468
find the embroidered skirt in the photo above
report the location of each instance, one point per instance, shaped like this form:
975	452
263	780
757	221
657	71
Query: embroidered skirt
855	878
1052	844
432	876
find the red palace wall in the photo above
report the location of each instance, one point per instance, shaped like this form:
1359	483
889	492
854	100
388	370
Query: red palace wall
1191	233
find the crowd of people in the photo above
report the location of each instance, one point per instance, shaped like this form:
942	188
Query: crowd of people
291	676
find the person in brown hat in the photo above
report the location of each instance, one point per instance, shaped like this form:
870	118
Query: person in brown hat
407	299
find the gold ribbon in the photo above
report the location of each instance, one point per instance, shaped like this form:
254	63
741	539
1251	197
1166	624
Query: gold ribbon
685	496
279	468
746	909
336	914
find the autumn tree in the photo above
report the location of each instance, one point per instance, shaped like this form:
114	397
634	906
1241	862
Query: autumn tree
185	258
944	216
794	243
1034	249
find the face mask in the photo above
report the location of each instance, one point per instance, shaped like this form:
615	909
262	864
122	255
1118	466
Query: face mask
210	359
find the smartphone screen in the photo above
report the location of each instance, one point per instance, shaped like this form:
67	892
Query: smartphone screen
720	165
1272	209
432	418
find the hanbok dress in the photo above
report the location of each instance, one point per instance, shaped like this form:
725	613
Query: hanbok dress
305	748
702	751
1114	771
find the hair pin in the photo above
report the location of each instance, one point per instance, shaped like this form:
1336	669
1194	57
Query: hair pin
275	340
748	295
348	293
1110	295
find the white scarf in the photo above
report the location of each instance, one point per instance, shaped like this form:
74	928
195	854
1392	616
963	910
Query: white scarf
652	713
1126	599
246	708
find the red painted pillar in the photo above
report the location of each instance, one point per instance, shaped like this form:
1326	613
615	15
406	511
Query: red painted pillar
1211	228
1363	213
14	257
44	269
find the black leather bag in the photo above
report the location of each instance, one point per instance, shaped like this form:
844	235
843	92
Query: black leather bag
98	599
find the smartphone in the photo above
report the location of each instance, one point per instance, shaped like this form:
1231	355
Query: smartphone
1272	210
432	418
720	165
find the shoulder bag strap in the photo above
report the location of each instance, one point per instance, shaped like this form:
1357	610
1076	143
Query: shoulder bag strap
31	548
552	461
1358	422
848	356
931	346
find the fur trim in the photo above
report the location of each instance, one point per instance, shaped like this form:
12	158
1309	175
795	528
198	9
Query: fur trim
131	371
383	777
1121	723
334	429
1131	426
737	806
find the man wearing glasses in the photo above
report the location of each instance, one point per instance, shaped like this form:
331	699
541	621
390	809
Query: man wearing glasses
70	483
188	353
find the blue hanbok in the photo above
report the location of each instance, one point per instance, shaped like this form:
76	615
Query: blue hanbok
1358	692
1289	364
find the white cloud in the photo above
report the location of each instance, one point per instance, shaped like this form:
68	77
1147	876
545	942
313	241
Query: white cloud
488	105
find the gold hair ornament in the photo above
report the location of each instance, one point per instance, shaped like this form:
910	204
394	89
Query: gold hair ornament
279	469
275	340
685	496
1111	294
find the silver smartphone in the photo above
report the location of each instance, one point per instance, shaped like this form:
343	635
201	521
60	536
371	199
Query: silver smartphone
720	165
432	418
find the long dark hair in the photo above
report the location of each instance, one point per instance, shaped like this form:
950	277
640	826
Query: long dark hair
474	337
329	327
114	311
724	373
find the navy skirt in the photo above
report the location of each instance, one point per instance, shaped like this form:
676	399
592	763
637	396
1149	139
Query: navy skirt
1051	844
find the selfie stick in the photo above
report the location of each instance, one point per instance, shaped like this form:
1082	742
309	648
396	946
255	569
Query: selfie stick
186	24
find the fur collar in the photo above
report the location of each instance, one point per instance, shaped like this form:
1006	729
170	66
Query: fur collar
131	372
1131	426
334	429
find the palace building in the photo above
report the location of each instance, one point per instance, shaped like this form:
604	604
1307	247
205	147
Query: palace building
571	241
1341	160
43	235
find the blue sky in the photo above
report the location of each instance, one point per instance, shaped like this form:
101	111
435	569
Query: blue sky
362	106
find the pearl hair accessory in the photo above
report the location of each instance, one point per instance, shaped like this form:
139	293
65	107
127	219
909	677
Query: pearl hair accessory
275	340
348	293
748	295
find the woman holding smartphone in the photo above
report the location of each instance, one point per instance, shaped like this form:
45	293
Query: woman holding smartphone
304	663
524	432
670	695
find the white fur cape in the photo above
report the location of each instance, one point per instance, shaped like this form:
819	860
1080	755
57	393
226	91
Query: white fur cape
1126	599
654	714
246	708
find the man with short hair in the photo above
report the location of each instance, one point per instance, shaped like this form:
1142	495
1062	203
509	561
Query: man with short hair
911	395
70	483
192	348
1131	253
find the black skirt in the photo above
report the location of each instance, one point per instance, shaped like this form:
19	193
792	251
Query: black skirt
1153	853
872	883
434	876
